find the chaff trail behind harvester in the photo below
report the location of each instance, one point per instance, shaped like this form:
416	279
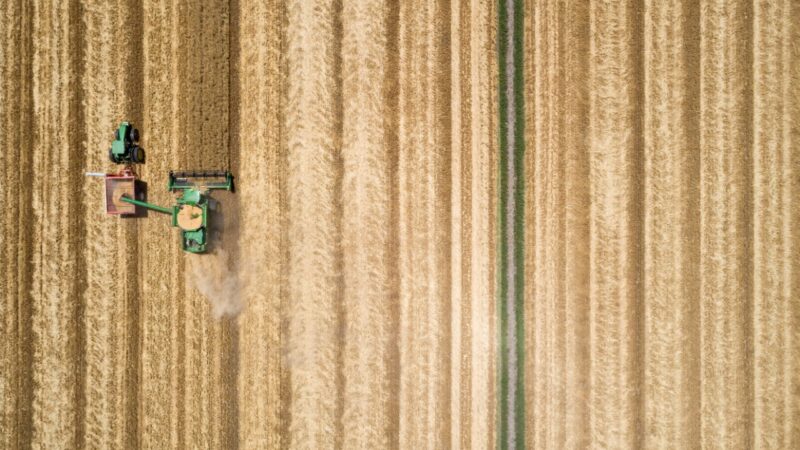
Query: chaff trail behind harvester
190	212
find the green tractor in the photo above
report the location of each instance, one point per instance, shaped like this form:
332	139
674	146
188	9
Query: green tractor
125	149
190	213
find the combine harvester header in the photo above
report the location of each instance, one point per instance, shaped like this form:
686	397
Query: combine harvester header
190	211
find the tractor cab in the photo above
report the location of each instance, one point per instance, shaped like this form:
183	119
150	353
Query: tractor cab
125	147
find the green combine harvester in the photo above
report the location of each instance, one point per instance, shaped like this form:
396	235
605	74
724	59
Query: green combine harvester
190	213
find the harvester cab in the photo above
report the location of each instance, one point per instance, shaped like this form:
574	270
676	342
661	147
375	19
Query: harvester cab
190	212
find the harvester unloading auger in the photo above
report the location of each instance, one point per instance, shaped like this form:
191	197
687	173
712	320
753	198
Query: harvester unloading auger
190	212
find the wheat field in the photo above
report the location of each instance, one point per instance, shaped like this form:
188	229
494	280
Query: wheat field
364	291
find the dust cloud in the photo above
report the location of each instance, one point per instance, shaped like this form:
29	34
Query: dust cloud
220	275
220	280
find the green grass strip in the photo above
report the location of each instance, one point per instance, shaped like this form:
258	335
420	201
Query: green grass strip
511	212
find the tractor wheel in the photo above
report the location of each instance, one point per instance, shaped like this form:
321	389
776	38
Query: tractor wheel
111	156
133	134
137	154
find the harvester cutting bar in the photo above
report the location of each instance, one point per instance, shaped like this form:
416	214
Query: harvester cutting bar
200	174
208	179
